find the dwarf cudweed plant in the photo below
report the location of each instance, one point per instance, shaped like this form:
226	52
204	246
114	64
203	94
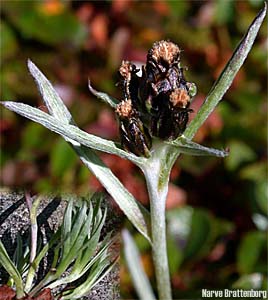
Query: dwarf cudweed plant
78	253
153	117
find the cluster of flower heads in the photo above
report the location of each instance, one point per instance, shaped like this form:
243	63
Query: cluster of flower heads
155	104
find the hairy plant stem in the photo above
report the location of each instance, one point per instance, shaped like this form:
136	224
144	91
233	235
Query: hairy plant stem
157	176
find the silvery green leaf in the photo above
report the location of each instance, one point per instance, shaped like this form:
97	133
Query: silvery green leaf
139	277
104	97
9	266
102	251
71	132
53	241
81	266
51	98
136	213
186	146
227	76
78	225
81	246
99	270
66	228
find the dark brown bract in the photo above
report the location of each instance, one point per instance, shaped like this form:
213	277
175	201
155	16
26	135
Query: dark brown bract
135	137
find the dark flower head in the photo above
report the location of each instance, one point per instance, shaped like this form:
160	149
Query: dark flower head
156	104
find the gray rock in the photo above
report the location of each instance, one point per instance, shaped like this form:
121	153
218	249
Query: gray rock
14	220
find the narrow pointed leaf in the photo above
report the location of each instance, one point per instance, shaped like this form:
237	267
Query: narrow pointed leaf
135	212
227	76
139	277
104	97
70	131
77	247
17	257
186	146
79	223
105	244
66	228
52	100
7	263
81	266
102	268
33	267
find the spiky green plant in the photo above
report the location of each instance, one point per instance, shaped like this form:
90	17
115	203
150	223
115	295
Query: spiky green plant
78	253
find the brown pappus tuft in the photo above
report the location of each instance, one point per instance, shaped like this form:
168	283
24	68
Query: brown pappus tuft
124	109
125	69
179	98
164	50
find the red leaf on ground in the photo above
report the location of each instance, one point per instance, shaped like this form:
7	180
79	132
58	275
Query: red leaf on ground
6	293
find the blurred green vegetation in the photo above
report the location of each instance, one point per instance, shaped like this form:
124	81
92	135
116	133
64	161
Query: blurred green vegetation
217	211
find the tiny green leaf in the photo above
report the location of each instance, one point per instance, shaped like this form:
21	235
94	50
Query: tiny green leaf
102	96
